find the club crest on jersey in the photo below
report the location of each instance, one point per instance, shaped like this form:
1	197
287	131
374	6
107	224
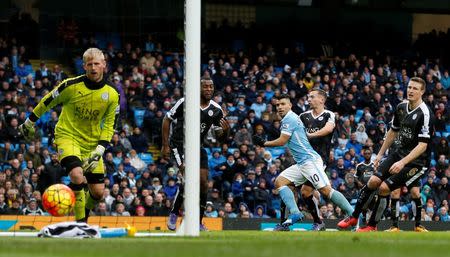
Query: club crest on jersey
210	113
412	172
105	96
320	118
414	116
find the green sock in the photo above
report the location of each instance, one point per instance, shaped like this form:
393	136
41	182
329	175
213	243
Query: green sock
337	198
90	201
79	204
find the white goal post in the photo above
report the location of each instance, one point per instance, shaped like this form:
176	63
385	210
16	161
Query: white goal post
192	118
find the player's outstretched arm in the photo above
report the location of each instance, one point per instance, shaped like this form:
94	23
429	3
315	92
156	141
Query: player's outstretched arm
282	140
57	96
165	150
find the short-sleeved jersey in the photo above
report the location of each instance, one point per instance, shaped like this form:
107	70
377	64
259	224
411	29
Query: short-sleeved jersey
89	110
364	171
209	116
413	126
298	143
322	145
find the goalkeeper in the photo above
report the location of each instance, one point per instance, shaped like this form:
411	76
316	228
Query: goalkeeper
90	106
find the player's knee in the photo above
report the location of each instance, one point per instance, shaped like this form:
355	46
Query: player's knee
326	190
384	189
76	175
279	182
395	194
306	191
97	194
374	183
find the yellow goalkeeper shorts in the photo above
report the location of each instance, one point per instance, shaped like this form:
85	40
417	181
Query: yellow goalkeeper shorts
69	147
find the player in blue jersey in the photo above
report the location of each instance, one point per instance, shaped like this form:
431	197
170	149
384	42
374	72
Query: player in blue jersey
308	167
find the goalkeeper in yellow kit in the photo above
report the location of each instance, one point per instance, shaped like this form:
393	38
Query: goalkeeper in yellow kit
90	107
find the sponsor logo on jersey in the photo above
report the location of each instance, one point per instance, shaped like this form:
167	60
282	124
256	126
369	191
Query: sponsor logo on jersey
285	126
82	112
202	127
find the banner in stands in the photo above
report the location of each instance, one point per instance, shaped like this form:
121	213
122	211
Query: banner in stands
15	223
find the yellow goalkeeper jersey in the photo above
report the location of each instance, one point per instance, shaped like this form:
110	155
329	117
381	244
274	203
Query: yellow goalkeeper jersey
89	110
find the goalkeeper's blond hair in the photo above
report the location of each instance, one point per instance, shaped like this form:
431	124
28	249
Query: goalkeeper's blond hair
93	53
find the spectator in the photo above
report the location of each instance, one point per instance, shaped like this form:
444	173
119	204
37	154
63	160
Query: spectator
32	208
120	210
210	212
260	213
138	141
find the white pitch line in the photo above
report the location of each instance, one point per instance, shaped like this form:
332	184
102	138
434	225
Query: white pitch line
34	234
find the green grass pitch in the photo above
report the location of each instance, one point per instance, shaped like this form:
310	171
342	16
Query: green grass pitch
239	243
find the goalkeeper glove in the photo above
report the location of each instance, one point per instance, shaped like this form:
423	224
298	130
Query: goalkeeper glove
89	164
258	140
26	129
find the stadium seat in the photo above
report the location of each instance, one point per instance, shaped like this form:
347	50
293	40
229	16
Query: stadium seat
278	70
448	128
445	134
117	161
232	149
438	134
359	114
433	163
44	141
139	117
146	157
168	58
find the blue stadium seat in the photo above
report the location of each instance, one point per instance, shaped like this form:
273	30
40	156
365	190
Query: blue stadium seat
146	157
437	133
232	149
139	117
117	161
15	147
2	145
359	114
208	151
278	70
445	134
433	163
448	128
216	149
44	141
168	58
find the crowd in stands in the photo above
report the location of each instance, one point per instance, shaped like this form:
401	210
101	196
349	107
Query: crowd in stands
363	92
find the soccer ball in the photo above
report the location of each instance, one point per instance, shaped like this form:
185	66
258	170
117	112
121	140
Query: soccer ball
58	200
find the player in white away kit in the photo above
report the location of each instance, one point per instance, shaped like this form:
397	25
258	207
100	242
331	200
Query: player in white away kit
308	167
